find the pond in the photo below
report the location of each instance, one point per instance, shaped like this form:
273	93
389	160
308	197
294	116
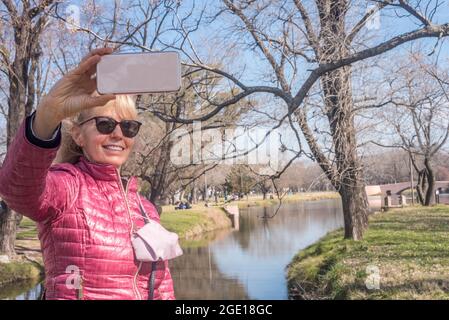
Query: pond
250	263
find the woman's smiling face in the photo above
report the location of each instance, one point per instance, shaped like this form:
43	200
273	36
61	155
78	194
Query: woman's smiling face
113	148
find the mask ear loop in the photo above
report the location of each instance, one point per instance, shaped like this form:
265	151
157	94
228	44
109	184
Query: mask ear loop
142	211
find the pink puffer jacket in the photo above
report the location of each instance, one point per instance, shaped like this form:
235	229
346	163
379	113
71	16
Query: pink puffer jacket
85	220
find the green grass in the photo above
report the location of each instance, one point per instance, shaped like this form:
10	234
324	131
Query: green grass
257	200
191	222
19	271
306	196
27	229
27	223
26	234
409	246
180	222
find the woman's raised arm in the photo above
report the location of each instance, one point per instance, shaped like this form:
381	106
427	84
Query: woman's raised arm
27	184
70	95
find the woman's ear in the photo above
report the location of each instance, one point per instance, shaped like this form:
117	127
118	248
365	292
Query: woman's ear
75	132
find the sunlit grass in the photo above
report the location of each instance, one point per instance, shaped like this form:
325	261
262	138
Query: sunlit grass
303	196
410	246
27	229
190	222
18	271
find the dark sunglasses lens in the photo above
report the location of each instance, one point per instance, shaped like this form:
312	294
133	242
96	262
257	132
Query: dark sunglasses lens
105	125
130	128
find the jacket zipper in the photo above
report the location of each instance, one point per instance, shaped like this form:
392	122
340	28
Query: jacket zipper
125	192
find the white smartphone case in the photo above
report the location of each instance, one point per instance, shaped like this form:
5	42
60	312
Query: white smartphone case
136	73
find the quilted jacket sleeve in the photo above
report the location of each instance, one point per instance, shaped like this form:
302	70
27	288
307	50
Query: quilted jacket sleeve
28	185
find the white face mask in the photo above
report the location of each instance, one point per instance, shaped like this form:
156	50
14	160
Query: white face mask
153	242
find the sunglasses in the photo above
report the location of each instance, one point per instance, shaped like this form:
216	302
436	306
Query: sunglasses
106	125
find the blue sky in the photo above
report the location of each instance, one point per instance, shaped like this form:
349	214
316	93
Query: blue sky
389	26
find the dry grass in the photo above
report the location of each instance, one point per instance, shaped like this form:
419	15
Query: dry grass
409	246
305	196
190	223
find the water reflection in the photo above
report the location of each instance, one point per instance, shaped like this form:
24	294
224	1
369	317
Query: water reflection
250	263
22	290
245	264
196	276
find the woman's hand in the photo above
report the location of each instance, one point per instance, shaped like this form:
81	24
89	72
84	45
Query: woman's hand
70	95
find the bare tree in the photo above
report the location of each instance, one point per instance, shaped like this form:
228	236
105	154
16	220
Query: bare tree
154	163
419	117
385	167
325	36
23	26
241	180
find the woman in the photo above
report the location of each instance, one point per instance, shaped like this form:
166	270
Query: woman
85	212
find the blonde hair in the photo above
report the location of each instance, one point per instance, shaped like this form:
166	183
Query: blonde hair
69	152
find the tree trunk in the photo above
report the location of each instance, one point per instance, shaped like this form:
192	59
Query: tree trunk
8	226
181	195
421	186
160	178
193	194
349	181
430	192
154	195
355	210
203	194
21	95
340	113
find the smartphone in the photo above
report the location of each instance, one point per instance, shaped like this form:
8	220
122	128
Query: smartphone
135	73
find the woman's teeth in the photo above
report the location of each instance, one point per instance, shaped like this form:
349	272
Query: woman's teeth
114	148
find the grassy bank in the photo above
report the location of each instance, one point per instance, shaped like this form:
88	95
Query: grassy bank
409	246
253	201
19	271
193	222
27	266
